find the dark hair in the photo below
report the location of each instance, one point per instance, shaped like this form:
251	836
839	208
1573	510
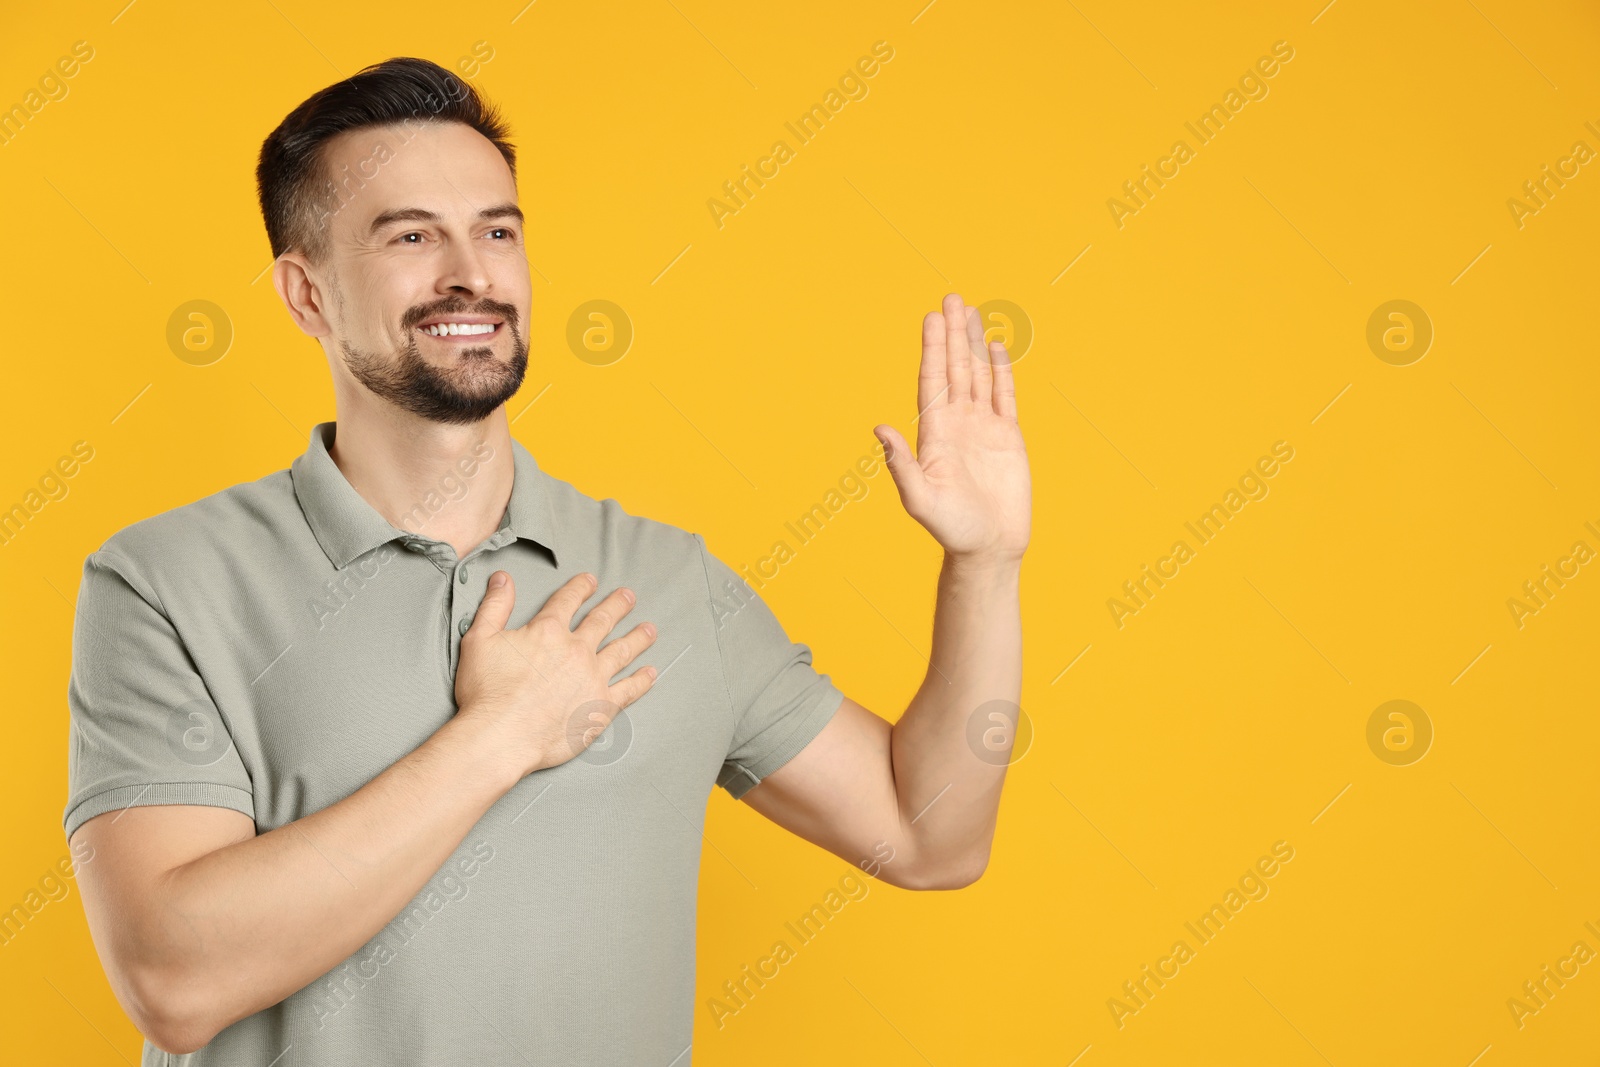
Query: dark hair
291	179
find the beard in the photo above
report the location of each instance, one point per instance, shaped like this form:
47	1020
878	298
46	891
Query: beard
465	392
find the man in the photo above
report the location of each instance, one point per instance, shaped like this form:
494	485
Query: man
366	782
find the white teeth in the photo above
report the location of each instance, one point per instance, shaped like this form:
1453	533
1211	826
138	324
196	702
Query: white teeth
451	329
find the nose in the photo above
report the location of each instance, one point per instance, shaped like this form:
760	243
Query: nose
463	269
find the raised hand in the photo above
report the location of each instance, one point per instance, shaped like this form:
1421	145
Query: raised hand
968	484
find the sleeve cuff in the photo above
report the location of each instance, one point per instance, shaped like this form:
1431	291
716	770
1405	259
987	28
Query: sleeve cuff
207	794
738	778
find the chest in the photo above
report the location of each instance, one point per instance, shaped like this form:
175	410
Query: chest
333	678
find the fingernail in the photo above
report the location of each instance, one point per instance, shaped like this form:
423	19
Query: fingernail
498	580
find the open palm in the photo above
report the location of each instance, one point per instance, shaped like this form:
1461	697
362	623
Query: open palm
968	484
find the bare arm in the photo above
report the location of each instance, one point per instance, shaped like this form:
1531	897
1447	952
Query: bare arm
200	922
929	785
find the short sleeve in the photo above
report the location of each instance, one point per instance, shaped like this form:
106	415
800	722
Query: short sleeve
144	727
780	702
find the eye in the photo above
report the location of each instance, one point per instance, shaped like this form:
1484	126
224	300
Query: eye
510	234
413	233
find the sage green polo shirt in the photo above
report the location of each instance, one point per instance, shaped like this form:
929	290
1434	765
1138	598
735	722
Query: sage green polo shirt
273	647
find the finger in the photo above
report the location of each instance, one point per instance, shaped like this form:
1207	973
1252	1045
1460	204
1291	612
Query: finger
903	467
632	687
931	382
603	616
1005	387
958	354
495	608
565	601
981	383
588	722
625	649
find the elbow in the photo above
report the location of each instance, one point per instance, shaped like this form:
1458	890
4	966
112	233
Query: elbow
175	1041
176	1038
959	878
173	989
169	1013
175	1033
950	875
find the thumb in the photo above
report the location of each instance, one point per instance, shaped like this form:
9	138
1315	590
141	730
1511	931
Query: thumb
903	468
495	609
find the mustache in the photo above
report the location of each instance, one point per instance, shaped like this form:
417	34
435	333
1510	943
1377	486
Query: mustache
458	306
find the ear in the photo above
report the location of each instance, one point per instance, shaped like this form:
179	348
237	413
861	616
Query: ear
296	281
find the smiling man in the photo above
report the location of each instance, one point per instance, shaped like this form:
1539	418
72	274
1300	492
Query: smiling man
376	759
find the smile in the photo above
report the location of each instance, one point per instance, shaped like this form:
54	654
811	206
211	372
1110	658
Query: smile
459	329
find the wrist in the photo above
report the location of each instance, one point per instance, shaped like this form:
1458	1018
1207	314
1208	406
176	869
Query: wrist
485	747
983	564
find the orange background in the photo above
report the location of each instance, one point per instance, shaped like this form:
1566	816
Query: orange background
1230	312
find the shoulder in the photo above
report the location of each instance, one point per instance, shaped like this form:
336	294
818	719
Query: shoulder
206	533
614	532
653	553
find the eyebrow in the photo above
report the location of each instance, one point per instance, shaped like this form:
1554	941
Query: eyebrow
417	214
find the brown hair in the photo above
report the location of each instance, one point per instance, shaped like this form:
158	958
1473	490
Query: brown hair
291	178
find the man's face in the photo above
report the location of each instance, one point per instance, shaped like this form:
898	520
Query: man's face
426	272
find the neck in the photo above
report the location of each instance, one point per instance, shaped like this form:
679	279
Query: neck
414	472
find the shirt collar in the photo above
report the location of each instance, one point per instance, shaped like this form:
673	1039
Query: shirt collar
346	526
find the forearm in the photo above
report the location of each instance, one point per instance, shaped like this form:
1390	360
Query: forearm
241	928
949	794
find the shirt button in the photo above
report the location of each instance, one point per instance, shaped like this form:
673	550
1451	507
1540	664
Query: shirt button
463	626
461	576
